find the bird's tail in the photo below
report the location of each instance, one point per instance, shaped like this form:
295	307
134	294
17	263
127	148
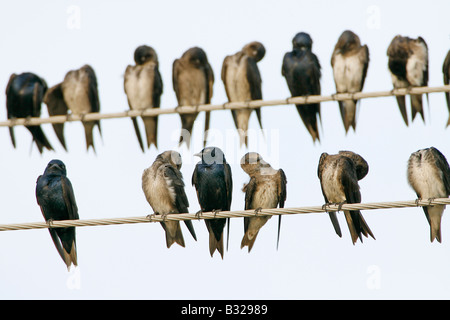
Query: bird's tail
59	131
215	228
249	240
434	216
205	132
88	130
67	257
187	124
401	101
151	130
335	223
40	138
309	114
173	233
416	106
348	113
138	133
357	225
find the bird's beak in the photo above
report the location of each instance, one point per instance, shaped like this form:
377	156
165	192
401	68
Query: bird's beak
198	154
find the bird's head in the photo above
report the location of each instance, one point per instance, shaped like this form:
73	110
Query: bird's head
211	155
252	162
55	167
196	56
348	40
302	41
173	157
144	53
255	50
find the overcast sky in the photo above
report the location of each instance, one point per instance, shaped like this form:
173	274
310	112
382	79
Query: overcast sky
131	261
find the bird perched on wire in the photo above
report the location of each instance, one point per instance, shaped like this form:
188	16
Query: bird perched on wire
301	68
193	80
78	93
242	80
408	65
446	72
429	176
349	61
266	189
163	187
213	182
24	94
55	196
143	87
339	175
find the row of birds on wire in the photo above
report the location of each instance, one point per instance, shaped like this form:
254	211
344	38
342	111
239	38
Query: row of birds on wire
164	188
193	80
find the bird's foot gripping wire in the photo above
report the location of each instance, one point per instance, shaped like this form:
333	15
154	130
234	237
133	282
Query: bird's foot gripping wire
215	211
151	216
340	204
430	200
258	211
326	206
49	223
417	201
198	214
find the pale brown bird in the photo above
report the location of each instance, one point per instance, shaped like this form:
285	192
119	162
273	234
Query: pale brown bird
266	189
143	86
163	187
193	81
350	61
429	176
242	81
446	72
408	65
339	175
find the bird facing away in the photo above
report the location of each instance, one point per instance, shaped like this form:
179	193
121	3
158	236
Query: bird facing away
429	176
24	94
143	87
214	185
193	80
301	68
266	189
163	187
242	80
349	61
408	65
339	175
78	93
55	196
56	106
446	72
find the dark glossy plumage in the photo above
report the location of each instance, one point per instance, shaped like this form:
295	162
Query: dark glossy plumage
213	182
301	68
24	95
55	196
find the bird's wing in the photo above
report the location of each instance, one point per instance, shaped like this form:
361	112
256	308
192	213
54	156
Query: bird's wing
69	198
442	164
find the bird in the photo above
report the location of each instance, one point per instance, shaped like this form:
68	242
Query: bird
446	72
213	182
242	81
301	68
143	86
78	92
54	99
408	65
24	94
193	81
339	175
163	188
429	176
350	61
266	189
56	199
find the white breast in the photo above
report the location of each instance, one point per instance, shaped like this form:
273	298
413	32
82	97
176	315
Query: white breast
347	73
139	82
331	185
426	183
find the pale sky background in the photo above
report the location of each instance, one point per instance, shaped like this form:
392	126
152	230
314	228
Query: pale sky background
132	261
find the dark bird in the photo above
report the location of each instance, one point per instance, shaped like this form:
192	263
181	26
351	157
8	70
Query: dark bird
24	94
408	65
163	187
143	87
429	176
266	189
242	80
301	68
213	182
54	194
349	61
339	175
446	72
193	80
79	94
